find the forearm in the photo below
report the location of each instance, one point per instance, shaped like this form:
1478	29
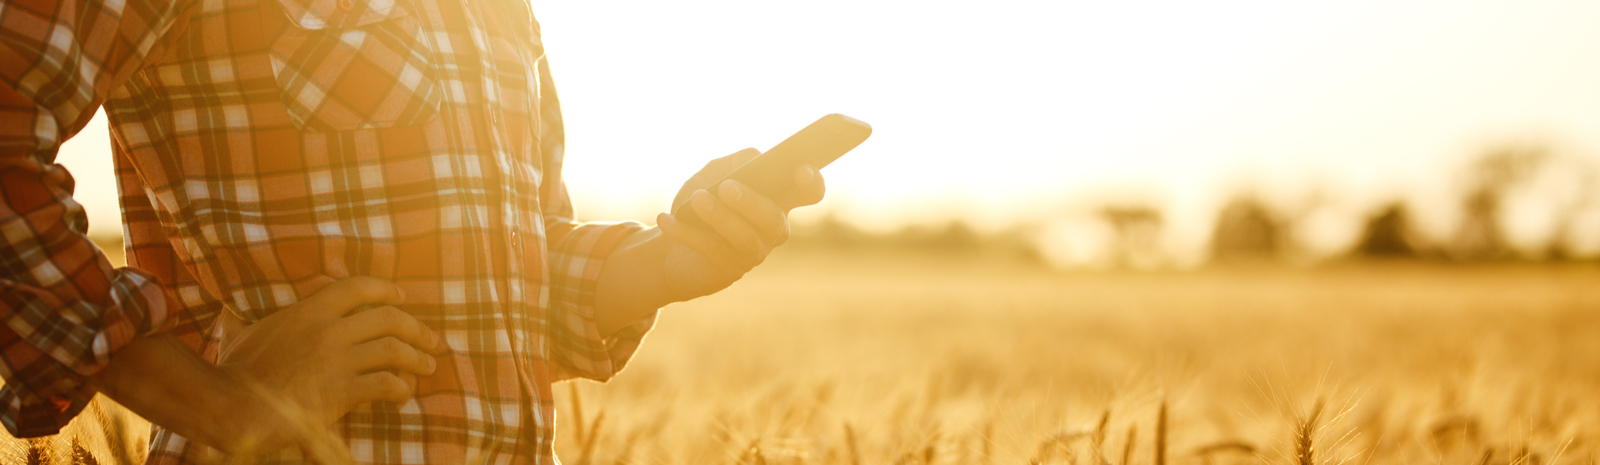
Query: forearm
677	261
633	282
164	381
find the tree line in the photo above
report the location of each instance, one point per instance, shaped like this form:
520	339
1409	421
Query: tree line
1248	228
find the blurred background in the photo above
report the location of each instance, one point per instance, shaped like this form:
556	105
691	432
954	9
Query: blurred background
1122	232
1154	134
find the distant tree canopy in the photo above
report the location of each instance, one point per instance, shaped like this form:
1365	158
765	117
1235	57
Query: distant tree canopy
955	238
830	231
1247	230
1488	181
1138	234
1388	234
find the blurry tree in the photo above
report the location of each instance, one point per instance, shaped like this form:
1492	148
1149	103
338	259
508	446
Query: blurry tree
1018	244
956	236
1487	182
1566	246
1388	234
830	232
1247	230
1138	234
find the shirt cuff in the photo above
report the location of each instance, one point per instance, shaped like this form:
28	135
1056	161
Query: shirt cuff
51	346
576	345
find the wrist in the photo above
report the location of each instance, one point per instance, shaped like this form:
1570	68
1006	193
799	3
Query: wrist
238	414
633	281
160	379
188	396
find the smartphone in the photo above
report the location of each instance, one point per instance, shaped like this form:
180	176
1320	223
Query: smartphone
772	172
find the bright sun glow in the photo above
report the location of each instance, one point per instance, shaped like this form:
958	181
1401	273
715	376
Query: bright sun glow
1012	111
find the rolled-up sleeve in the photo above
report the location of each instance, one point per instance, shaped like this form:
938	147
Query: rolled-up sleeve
576	345
64	310
577	253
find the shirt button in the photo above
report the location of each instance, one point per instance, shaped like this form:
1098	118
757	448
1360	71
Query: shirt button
347	5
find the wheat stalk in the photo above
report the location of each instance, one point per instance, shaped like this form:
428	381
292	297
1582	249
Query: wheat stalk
1127	447
1161	434
591	438
39	451
577	413
1099	437
850	445
753	454
988	441
1304	450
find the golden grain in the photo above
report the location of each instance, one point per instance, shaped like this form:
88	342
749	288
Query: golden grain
922	360
1305	434
1099	446
1161	434
1127	447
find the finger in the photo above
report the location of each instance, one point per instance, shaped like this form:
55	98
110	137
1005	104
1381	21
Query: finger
706	243
725	222
714	170
347	294
410	380
381	385
766	216
381	322
809	188
390	353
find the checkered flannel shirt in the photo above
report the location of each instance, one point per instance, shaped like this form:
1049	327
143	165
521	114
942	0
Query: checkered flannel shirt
268	148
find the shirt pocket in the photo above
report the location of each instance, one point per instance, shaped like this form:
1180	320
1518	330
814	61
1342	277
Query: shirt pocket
354	64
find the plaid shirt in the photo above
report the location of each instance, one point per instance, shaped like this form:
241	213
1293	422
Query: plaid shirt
268	148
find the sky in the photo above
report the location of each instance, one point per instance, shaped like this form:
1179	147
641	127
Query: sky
1008	113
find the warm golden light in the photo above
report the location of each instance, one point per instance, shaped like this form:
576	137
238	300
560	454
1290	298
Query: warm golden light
1008	112
1438	160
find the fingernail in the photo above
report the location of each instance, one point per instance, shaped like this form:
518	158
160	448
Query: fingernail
664	219
731	191
401	292
806	175
703	203
432	364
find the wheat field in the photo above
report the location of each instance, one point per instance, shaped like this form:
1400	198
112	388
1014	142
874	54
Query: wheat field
882	358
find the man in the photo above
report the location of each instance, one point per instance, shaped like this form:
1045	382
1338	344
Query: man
345	219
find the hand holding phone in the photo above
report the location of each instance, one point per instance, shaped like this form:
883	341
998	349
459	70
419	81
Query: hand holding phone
741	225
771	173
